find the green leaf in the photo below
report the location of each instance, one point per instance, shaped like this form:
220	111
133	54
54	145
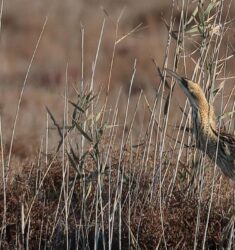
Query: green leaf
83	132
98	116
192	17
211	6
224	115
77	107
216	91
54	122
58	129
167	104
193	29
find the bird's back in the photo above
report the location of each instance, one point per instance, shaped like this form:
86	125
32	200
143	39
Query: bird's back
224	152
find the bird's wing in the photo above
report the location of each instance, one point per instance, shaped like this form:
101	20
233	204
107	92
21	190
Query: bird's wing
228	138
225	137
227	142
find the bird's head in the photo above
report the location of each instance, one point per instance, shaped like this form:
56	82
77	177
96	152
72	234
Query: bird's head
192	90
197	100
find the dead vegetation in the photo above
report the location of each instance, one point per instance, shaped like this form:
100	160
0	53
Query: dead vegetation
112	164
141	224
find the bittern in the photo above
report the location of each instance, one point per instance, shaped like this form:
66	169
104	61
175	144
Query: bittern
219	146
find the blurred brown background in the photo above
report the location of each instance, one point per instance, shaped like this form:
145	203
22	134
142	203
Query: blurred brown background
22	22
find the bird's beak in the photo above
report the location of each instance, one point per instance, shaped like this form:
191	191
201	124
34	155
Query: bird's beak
183	82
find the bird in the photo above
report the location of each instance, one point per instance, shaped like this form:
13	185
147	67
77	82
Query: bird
217	144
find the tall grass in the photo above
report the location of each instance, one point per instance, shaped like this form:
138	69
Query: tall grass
106	186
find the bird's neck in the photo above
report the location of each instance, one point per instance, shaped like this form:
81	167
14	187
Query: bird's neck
207	118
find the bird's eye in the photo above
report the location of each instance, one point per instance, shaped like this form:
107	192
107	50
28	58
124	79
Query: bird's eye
185	83
193	95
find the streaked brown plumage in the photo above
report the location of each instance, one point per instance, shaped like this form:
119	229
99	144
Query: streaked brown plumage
218	145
